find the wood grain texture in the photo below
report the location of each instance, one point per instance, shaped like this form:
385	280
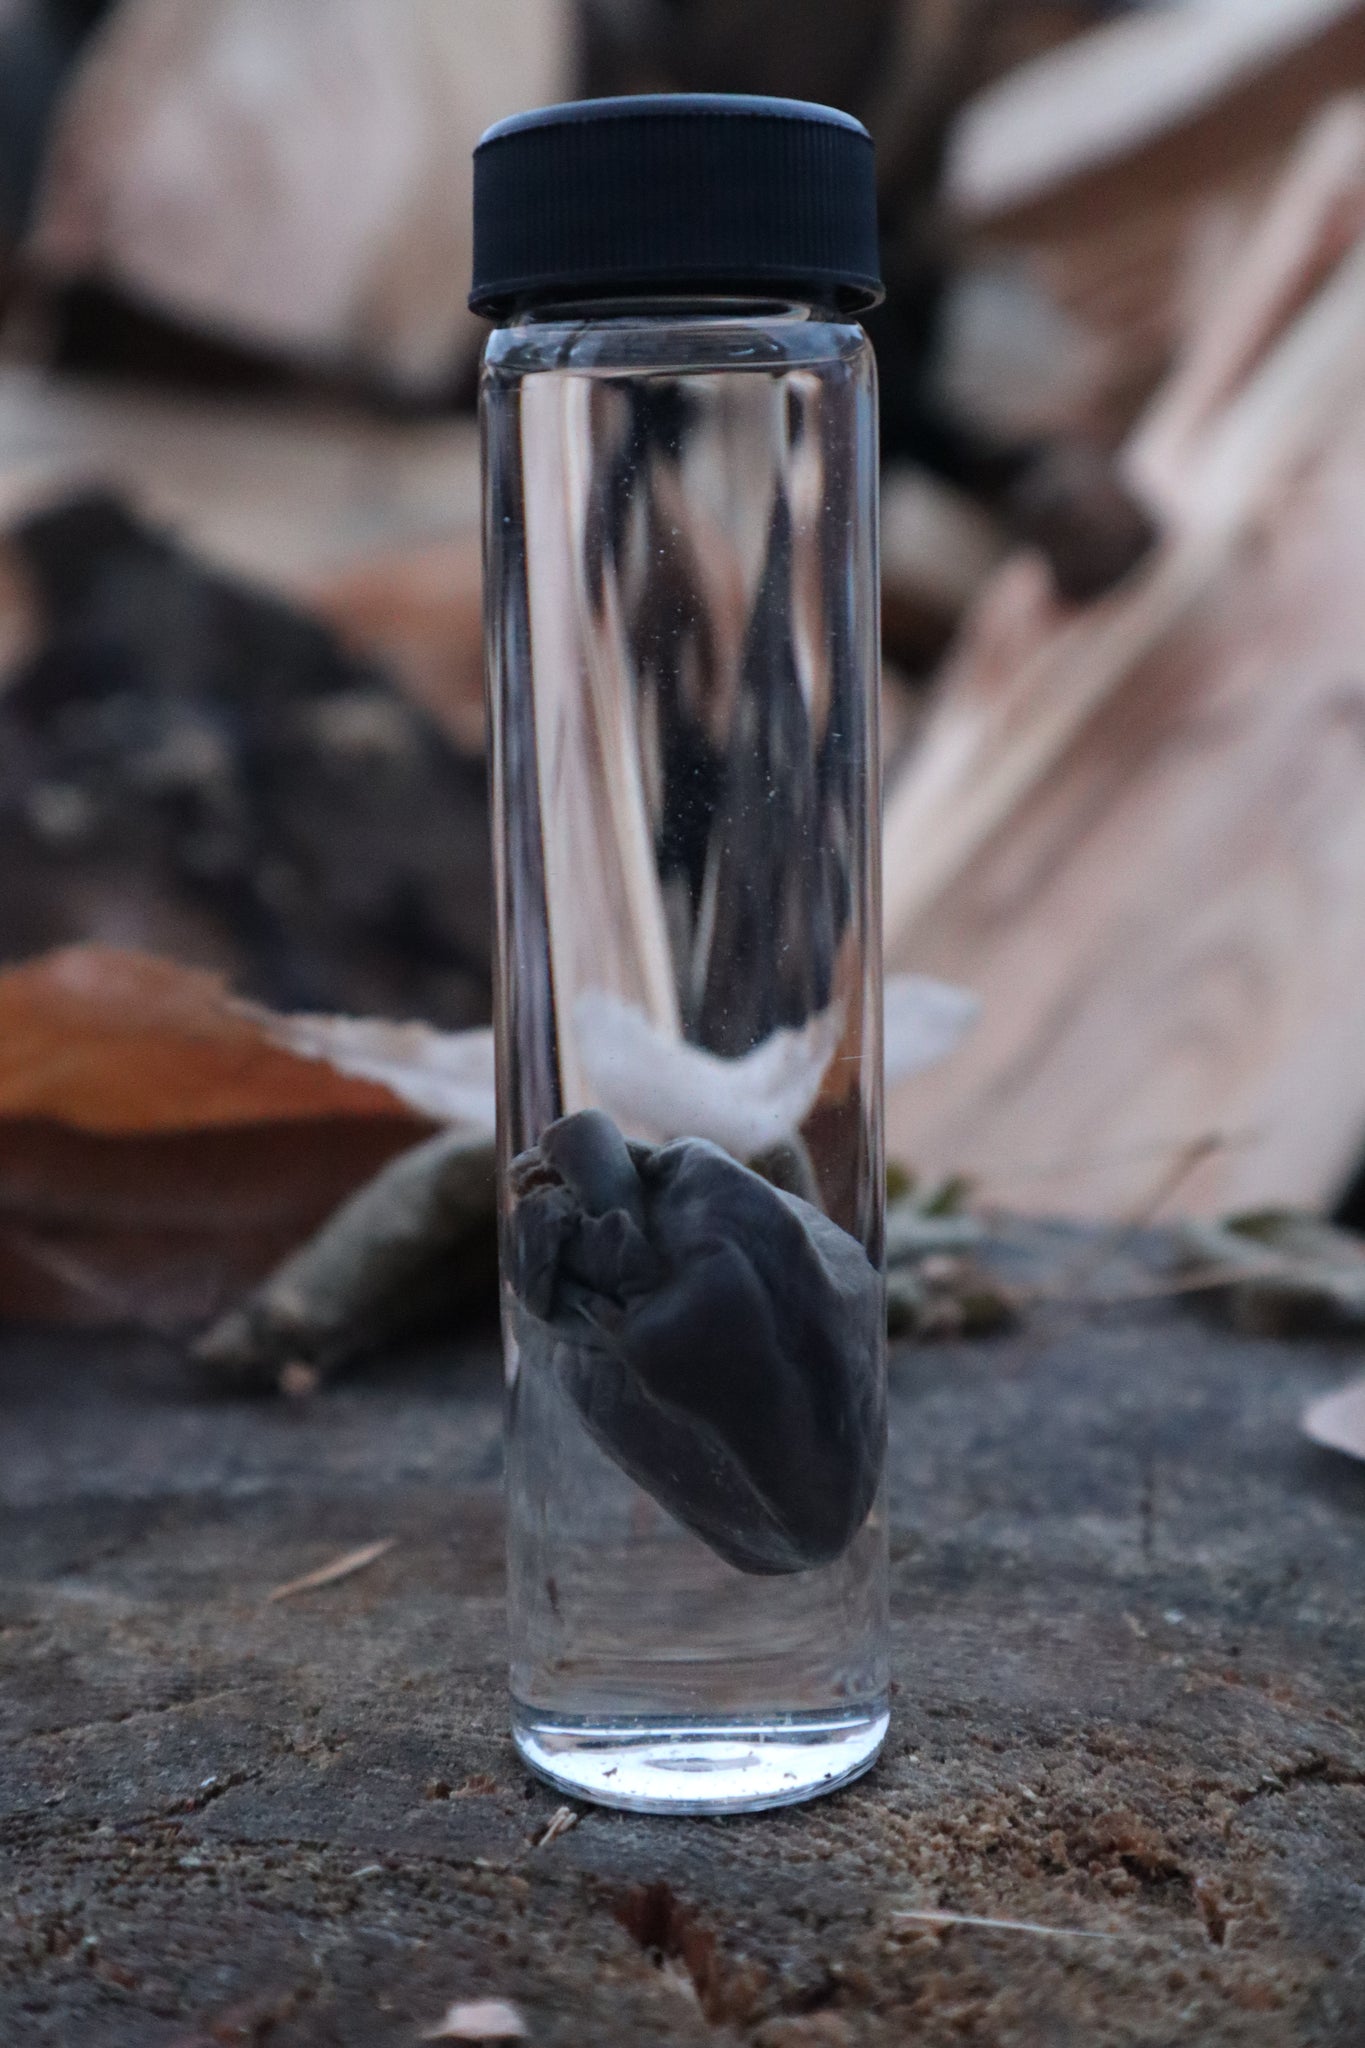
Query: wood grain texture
1136	246
1163	786
1102	98
1170	939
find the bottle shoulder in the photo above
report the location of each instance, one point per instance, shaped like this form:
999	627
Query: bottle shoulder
677	346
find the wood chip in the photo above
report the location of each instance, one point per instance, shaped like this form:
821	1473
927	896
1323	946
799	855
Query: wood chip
1030	677
1337	1421
488	2019
938	548
299	1382
408	1250
1314	213
344	1567
928	1919
559	1823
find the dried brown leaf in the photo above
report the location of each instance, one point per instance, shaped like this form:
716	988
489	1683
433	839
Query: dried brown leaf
159	1149
123	1044
421	612
162	1232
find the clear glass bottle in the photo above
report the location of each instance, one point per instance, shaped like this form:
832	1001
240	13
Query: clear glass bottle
683	668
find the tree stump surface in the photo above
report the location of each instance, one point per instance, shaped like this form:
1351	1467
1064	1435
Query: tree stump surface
1130	1657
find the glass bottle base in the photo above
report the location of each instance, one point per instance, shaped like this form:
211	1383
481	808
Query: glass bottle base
683	1766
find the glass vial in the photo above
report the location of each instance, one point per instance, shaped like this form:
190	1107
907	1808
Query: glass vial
679	414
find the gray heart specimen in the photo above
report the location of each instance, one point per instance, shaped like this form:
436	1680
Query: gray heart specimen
720	1338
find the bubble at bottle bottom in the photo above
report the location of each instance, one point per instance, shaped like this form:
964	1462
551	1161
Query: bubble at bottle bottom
693	1767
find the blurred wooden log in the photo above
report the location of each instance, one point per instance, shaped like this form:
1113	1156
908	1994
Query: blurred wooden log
902	716
373	524
421	611
184	749
297	181
900	65
39	42
938	548
1169	938
1123	169
1104	97
284	494
1315	216
802	48
1135	830
1191	963
994	738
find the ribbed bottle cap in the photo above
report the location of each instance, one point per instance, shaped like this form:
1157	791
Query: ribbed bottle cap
687	192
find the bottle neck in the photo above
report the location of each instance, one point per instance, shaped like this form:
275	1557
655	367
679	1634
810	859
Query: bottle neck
639	309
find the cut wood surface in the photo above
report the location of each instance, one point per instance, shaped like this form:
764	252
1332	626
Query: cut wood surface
1122	1804
1032	671
1170	939
1101	97
1315	216
1133	829
1125	168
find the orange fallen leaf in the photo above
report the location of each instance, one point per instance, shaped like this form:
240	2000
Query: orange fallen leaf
122	1044
163	1146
